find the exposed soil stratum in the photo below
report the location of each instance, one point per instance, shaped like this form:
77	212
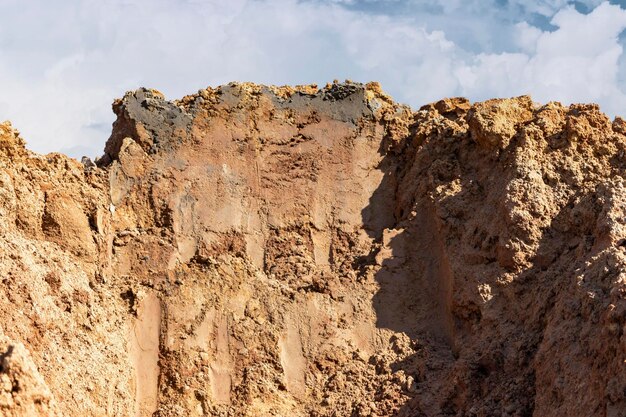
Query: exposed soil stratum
262	251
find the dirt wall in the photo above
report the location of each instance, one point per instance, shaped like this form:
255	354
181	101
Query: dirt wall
295	251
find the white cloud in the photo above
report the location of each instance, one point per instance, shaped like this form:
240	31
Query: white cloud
499	7
62	63
579	62
526	37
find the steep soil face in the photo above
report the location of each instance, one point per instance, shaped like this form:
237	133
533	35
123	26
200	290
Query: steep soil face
262	251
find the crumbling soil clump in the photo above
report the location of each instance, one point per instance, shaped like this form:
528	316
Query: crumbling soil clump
295	251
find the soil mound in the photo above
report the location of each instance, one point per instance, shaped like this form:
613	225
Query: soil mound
293	251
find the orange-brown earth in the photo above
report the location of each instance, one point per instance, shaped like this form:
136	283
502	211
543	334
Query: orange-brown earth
262	251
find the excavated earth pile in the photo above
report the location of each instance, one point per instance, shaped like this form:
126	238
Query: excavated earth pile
262	251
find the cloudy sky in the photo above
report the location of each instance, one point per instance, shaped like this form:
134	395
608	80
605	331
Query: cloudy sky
62	63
